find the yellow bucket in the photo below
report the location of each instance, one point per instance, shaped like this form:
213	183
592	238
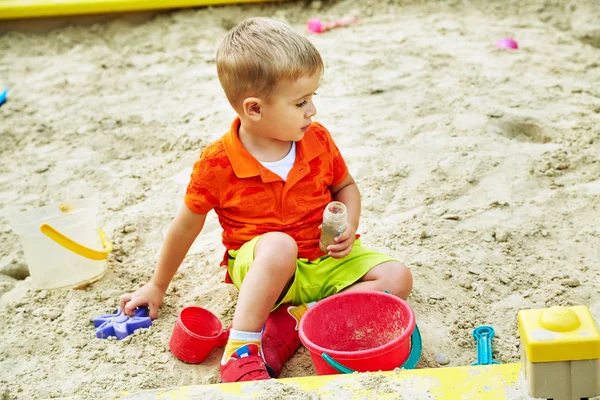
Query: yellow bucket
59	242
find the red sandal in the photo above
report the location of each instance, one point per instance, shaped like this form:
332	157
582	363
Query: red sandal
280	339
245	364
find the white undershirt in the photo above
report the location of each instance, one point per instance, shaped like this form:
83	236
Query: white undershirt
283	166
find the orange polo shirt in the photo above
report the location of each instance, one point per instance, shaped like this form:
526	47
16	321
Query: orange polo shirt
251	200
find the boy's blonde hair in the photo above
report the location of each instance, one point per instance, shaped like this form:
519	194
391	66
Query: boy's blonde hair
258	54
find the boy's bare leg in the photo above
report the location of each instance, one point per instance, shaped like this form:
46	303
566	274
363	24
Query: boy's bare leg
391	276
274	265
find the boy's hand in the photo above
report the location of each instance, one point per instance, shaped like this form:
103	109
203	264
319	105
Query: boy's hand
343	243
148	295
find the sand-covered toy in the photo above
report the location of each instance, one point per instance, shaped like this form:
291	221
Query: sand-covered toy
121	325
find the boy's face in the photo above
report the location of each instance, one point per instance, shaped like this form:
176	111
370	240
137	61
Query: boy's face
287	115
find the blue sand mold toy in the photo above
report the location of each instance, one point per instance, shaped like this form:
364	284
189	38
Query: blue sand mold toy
121	325
483	337
3	96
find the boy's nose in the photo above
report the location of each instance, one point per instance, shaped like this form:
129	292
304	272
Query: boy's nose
311	112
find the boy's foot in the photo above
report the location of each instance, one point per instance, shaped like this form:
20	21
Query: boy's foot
280	337
245	364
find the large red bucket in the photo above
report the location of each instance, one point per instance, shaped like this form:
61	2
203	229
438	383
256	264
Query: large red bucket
363	331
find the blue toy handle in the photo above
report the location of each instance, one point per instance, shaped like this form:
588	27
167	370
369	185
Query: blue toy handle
483	337
339	367
416	347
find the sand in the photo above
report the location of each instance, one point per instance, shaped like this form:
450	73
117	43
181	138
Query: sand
479	168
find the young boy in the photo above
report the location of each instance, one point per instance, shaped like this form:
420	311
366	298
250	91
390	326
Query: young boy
269	179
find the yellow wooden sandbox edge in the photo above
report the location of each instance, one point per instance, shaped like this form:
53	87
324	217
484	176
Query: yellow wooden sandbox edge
19	9
493	382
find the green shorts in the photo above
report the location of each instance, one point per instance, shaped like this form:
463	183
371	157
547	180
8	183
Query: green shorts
313	280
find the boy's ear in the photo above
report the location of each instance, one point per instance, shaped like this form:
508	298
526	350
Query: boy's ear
252	108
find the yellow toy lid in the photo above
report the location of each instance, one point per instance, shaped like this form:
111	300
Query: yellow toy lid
559	334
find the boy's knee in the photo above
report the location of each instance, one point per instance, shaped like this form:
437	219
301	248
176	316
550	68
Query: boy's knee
400	279
279	249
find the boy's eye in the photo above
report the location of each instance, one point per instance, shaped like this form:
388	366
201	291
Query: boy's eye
304	102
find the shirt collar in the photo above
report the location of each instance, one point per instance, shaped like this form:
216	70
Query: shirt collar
245	165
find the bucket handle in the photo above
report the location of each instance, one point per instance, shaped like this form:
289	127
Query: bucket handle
78	248
416	347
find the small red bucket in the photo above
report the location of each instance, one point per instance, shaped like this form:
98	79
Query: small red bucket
363	331
196	332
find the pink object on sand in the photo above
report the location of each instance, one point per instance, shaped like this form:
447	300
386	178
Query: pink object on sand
315	25
507	43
